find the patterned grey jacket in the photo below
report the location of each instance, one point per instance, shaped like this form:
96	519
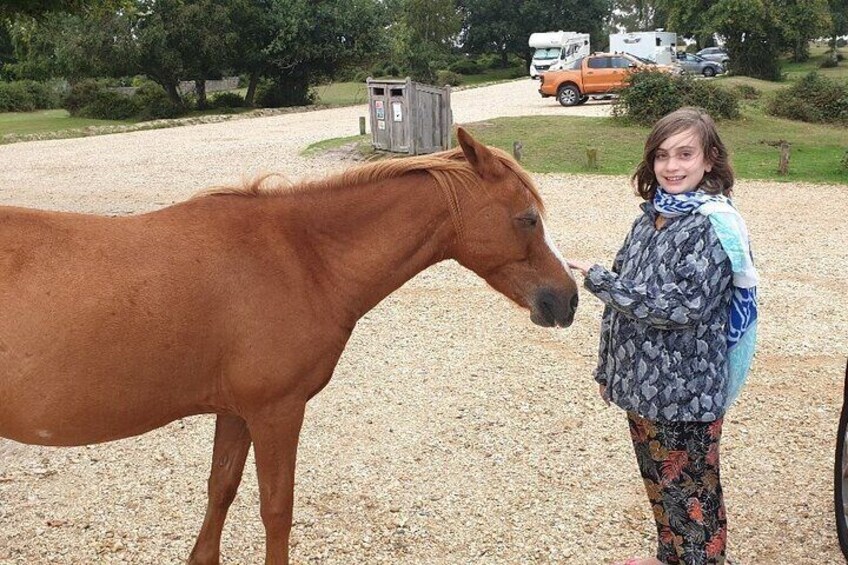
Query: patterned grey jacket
663	347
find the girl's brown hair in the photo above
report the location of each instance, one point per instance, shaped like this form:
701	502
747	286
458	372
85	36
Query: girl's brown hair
720	178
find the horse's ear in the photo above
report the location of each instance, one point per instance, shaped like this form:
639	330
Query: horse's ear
479	156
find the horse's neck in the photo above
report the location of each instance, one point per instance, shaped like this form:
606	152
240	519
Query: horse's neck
371	239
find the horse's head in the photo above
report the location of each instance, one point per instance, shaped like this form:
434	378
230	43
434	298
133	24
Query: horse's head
503	238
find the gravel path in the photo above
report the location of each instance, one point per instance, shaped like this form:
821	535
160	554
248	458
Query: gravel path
454	431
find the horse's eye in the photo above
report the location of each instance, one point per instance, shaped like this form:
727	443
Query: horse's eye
529	220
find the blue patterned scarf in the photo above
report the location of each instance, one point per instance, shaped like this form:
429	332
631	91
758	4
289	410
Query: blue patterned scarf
733	235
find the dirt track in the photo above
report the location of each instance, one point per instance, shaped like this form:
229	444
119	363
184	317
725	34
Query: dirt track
454	431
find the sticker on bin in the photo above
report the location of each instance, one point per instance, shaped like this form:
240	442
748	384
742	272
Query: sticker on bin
397	112
381	124
381	111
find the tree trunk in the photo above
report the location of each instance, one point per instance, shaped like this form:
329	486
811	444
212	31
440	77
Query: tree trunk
173	93
200	91
251	88
504	59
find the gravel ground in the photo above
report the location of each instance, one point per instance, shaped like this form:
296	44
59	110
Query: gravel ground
454	431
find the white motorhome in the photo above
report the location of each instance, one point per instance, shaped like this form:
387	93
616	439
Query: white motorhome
554	50
658	46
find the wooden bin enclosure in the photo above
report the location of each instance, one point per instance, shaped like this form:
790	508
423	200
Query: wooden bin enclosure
409	117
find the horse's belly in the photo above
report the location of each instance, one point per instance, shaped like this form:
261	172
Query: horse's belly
62	409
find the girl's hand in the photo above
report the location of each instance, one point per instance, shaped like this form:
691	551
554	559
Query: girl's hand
582	266
602	389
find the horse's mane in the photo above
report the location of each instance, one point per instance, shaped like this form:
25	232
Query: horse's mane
449	169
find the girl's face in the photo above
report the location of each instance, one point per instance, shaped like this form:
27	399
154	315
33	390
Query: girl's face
680	163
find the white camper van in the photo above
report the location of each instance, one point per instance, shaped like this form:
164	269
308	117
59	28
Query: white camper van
554	50
658	46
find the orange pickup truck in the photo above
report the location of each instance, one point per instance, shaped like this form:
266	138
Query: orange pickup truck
598	74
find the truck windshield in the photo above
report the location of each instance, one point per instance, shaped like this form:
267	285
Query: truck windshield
547	53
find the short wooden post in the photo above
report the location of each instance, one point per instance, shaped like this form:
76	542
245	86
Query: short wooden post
783	167
361	125
517	146
591	157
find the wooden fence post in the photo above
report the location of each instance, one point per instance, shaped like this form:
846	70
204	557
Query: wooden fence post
517	146
783	167
361	125
591	157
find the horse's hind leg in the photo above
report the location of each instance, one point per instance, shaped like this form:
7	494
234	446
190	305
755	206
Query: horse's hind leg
232	442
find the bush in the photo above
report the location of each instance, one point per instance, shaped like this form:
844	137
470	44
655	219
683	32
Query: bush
652	94
27	95
448	77
748	92
466	67
153	103
227	100
828	63
109	105
844	162
270	94
814	99
81	94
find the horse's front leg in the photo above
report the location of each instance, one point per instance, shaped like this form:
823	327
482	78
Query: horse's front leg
232	442
275	433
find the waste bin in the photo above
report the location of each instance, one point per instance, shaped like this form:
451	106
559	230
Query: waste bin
409	117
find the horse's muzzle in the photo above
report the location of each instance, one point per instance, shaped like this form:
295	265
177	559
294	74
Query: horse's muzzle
553	308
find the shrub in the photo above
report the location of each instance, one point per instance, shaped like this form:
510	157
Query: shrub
844	162
651	95
81	94
466	67
448	77
153	103
109	105
814	98
227	100
748	92
828	63
27	95
270	94
15	98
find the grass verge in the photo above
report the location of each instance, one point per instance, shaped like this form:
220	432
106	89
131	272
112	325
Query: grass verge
559	144
23	123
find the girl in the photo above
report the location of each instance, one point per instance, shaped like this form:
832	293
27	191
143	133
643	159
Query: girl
678	330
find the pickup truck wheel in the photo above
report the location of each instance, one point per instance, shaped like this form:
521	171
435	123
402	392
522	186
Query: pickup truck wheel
568	95
709	72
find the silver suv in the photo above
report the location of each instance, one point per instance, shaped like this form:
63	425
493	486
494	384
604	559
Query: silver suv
699	66
717	54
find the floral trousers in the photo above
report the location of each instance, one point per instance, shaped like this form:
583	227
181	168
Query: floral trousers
679	463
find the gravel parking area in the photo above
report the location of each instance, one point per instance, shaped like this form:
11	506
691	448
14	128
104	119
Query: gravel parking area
454	431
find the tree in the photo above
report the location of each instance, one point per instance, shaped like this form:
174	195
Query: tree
839	24
40	8
425	31
802	21
689	19
752	35
312	41
639	15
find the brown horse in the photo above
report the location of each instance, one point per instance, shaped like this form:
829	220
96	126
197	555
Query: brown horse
239	302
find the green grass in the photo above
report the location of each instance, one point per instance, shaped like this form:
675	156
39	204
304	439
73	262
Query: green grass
559	144
796	71
22	123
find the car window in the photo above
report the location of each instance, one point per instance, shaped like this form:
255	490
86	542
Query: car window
575	66
620	63
599	63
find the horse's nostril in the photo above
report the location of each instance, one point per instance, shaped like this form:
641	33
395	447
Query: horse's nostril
574	301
